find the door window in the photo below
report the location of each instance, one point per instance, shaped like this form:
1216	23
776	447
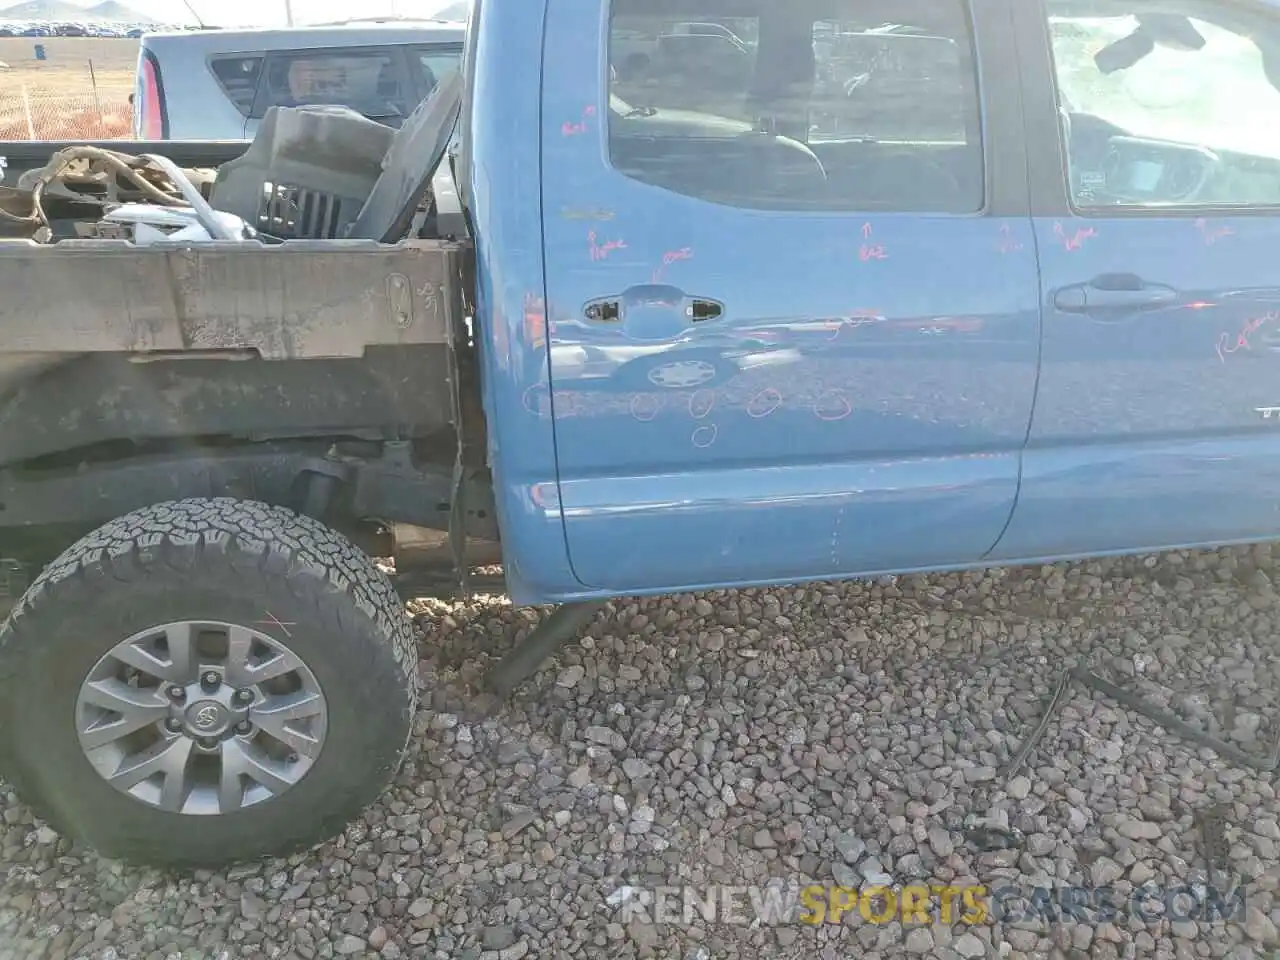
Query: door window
1165	109
844	105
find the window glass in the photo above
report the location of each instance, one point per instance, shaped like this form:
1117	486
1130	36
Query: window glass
434	64
366	81
1167	110
826	105
238	77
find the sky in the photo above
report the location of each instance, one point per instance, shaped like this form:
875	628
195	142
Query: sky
272	12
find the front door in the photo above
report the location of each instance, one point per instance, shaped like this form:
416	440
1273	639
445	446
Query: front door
1157	181
791	285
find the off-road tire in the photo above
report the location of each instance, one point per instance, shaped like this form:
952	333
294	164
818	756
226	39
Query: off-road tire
220	559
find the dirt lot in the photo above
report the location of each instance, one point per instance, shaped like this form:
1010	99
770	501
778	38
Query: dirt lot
81	89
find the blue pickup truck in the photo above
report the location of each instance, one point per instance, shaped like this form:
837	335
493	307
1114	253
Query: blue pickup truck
655	296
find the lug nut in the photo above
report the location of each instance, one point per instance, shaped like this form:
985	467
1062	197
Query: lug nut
208	742
210	679
244	727
173	725
177	693
244	696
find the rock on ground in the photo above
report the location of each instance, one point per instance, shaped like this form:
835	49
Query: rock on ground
816	734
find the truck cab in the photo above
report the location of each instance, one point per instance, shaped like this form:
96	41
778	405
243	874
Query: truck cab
706	294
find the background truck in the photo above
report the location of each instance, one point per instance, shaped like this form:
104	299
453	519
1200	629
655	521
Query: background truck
987	306
219	84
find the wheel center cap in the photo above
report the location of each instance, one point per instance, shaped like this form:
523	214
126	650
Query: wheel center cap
207	718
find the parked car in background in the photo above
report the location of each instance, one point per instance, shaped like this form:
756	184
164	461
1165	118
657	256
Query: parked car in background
218	85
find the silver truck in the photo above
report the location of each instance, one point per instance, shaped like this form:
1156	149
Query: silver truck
219	84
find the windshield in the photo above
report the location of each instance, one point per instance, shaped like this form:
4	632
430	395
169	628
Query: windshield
1211	96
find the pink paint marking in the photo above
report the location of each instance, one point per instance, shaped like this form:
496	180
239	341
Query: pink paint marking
870	251
1251	326
832	405
572	128
644	407
764	403
1007	243
1212	235
1075	242
601	251
702	403
670	257
537	400
859	318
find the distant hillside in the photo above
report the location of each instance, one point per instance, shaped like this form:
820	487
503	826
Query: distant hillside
114	10
108	10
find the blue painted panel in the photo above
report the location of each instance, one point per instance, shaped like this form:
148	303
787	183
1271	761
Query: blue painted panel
1152	426
861	402
506	42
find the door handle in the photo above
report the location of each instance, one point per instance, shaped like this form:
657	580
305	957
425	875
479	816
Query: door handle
700	310
1116	293
653	311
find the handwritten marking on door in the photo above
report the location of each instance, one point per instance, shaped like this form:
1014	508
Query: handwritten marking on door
1210	234
668	258
1007	242
704	436
1228	344
645	406
537	400
701	403
1077	240
870	251
600	251
832	405
859	318
764	403
571	128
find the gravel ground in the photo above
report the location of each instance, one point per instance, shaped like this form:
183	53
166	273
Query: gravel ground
802	734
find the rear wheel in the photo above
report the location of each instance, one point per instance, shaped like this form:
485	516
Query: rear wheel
206	681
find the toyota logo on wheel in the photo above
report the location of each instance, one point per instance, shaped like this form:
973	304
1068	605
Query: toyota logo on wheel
206	717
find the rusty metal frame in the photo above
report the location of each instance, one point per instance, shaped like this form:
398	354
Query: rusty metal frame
298	300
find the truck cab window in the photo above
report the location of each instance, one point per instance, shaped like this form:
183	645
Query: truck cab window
1168	110
832	105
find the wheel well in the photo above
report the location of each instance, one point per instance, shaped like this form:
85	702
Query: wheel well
357	487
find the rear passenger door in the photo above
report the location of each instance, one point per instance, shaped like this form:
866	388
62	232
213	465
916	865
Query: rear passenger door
1156	169
791	285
